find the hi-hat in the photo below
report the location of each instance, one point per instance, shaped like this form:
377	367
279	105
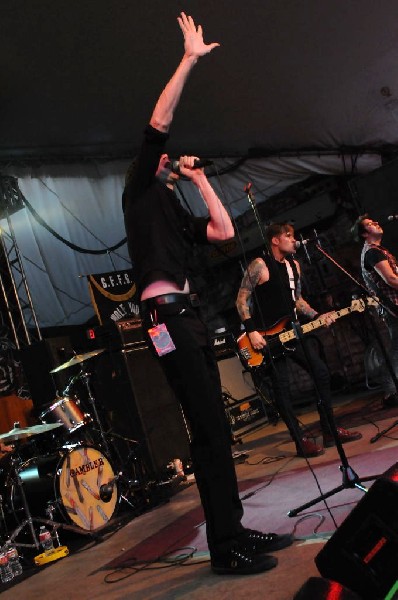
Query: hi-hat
77	359
19	433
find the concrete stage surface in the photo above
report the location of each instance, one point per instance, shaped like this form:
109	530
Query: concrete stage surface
272	481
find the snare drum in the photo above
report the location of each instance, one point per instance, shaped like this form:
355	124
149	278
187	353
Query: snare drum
66	411
71	481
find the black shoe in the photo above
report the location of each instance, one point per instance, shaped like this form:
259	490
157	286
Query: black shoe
390	401
238	562
256	542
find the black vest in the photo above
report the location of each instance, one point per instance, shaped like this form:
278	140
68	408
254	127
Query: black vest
273	299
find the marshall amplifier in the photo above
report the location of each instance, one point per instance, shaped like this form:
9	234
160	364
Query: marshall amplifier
130	331
116	335
236	380
224	345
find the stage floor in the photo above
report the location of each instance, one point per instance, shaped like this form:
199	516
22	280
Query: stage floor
272	482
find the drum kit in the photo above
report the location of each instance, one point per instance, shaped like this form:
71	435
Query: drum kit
72	475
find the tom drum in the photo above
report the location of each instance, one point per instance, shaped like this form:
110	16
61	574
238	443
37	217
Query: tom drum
66	411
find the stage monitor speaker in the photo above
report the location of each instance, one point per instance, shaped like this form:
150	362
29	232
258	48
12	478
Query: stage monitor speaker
363	553
141	405
235	380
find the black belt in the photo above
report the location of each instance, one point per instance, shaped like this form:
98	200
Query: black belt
192	299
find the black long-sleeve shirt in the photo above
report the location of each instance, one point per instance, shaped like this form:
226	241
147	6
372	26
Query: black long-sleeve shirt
160	232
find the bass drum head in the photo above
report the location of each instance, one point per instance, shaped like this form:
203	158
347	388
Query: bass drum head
83	470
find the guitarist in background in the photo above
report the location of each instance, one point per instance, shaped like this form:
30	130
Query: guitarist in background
274	283
380	273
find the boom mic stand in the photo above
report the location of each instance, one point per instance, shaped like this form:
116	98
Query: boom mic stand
350	479
375	330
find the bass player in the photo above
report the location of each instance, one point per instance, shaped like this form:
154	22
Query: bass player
272	287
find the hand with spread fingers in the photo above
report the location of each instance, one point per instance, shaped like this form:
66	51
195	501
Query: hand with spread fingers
193	37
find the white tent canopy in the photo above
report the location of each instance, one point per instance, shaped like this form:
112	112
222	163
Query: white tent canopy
82	205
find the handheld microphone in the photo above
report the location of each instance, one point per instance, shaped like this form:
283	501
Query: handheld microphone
174	165
392	217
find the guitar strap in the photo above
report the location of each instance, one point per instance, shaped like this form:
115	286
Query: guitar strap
292	285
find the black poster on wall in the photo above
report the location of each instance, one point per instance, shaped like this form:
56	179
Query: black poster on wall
113	295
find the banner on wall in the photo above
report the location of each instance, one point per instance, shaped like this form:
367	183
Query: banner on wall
113	295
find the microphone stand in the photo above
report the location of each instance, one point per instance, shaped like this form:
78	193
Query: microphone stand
350	479
374	300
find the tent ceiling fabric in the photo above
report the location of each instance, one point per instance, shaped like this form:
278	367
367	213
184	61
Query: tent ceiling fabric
82	76
82	203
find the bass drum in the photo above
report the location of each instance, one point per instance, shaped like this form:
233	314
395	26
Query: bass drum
71	482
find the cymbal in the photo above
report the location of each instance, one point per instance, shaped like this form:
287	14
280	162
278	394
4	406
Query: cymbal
77	359
19	434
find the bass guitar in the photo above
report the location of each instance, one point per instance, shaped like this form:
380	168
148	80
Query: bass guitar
277	336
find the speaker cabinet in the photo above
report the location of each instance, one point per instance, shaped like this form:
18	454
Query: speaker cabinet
363	553
141	405
235	380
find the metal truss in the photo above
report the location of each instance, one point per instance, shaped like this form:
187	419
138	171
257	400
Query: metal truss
17	300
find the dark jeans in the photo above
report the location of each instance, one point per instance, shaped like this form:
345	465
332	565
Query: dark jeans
192	373
279	375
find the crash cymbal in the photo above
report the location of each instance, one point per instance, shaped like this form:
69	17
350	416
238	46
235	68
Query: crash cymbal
19	433
77	359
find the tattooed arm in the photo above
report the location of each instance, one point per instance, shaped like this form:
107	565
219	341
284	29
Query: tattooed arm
256	273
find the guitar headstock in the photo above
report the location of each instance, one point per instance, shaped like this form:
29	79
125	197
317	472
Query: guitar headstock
359	304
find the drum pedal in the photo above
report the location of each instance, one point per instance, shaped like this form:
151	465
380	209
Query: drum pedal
54	554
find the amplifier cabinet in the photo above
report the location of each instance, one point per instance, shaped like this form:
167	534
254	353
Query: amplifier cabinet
246	415
131	385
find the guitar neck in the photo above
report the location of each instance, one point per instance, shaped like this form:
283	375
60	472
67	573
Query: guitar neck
286	336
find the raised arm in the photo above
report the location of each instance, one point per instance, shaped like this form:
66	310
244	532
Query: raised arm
220	226
194	47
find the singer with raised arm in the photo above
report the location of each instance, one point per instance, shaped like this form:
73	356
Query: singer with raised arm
270	293
161	239
380	273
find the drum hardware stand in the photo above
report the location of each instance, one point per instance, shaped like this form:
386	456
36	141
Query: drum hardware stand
141	481
29	520
4	528
84	376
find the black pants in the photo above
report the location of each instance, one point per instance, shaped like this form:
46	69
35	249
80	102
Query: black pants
192	373
279	375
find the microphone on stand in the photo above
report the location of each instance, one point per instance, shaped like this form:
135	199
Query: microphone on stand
304	243
200	163
392	217
316	238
